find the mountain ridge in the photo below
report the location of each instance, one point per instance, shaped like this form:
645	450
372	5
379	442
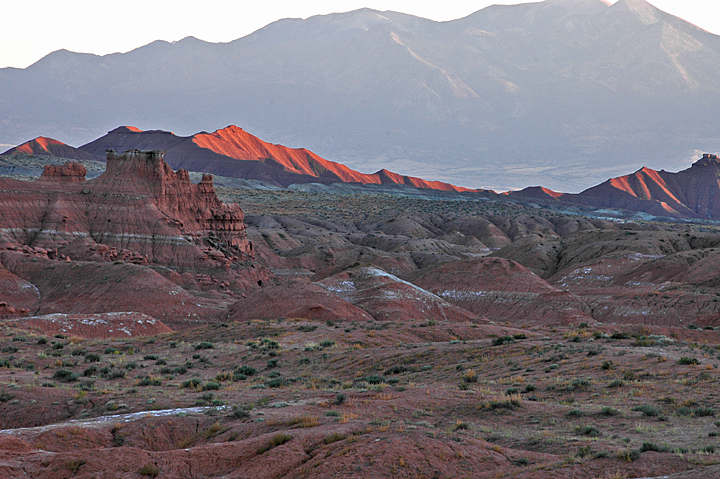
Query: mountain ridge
233	152
230	151
686	194
557	88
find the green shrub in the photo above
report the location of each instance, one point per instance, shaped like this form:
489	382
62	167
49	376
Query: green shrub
578	383
191	383
502	340
148	381
591	431
204	345
397	369
239	413
649	446
629	455
246	370
275	383
149	470
65	376
688	361
704	412
211	386
608	411
647	410
684	411
92	358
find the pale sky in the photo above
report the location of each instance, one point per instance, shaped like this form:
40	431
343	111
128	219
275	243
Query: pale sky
33	28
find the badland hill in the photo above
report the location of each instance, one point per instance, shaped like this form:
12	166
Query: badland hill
151	327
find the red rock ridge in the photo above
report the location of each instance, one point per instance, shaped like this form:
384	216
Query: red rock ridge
690	193
72	172
43	146
231	151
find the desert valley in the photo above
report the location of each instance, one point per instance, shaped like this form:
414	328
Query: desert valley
418	331
214	305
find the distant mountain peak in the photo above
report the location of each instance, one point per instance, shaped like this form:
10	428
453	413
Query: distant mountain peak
124	129
644	11
488	99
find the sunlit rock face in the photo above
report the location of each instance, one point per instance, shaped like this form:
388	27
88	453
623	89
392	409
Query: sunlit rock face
139	210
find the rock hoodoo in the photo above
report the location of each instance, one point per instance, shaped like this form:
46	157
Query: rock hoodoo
194	208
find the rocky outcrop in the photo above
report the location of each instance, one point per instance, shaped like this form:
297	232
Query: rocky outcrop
72	172
194	208
139	208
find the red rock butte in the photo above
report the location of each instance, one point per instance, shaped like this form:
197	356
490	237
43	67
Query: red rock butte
139	206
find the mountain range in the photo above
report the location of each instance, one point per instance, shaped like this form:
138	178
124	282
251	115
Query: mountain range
230	151
563	93
233	152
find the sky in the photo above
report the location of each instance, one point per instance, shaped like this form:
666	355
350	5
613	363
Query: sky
33	28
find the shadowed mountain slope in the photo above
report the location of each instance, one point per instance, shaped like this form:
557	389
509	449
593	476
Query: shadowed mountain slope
506	97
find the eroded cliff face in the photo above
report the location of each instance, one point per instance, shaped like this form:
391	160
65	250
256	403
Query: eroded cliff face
139	210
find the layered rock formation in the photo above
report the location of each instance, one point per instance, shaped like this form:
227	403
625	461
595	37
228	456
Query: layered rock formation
388	298
138	205
502	290
72	172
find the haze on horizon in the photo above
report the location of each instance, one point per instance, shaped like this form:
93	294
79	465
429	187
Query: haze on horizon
43	26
